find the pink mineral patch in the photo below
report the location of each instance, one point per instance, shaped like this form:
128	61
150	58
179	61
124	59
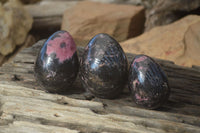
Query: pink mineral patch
135	82
141	68
142	58
139	98
65	52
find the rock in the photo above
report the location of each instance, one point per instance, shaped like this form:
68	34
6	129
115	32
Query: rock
15	23
29	1
178	42
192	40
146	3
149	3
24	1
87	19
168	11
134	2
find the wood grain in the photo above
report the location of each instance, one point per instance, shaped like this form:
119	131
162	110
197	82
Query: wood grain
25	107
48	14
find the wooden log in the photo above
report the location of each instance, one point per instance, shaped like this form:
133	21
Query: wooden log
40	107
48	14
23	105
28	127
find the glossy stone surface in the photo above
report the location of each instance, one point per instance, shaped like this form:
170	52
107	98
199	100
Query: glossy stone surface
57	63
103	68
147	82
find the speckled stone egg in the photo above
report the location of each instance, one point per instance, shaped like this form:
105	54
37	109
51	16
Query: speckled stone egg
57	64
103	67
148	83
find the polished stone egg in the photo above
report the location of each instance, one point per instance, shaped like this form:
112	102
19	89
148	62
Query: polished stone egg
103	67
57	64
148	83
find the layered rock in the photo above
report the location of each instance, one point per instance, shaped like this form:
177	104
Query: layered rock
24	1
178	42
146	3
86	19
162	12
30	1
15	23
168	11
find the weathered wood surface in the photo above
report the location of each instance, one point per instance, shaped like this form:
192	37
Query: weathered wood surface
48	14
24	108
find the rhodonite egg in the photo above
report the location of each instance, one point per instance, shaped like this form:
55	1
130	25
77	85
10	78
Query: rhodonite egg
57	64
147	82
103	67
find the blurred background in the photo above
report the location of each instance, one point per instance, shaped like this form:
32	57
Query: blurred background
165	29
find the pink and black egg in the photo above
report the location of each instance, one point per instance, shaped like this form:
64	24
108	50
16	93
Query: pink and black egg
57	64
104	67
148	83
